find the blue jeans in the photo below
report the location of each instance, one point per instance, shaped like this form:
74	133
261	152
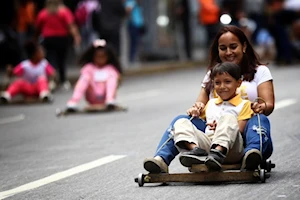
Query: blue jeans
251	137
169	151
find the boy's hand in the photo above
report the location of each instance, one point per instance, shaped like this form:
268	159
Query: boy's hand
212	125
196	109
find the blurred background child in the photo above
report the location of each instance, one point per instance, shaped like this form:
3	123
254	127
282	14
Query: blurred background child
99	77
33	75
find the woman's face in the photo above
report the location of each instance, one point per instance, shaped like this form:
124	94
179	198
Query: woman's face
100	57
230	48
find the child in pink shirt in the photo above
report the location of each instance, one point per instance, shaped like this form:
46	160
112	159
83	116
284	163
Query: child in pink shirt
99	77
33	75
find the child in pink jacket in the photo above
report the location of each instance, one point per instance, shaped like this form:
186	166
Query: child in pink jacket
99	77
32	73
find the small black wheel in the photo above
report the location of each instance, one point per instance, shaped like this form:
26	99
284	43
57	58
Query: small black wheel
140	180
262	175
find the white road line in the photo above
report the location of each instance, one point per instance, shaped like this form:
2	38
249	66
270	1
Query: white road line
141	95
60	175
285	103
12	119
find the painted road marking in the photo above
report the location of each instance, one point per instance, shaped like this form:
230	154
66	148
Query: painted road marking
60	175
285	103
16	118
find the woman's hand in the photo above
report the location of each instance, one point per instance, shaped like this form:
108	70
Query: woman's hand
259	107
196	109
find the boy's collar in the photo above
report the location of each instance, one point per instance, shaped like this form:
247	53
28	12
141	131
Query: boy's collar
234	101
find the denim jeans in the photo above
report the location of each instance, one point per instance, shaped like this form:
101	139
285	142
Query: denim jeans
168	152
251	137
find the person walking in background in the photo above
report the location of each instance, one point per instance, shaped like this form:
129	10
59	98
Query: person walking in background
208	15
25	21
136	26
99	77
55	23
84	17
183	14
109	22
33	73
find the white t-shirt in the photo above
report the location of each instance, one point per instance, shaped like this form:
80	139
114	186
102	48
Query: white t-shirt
248	90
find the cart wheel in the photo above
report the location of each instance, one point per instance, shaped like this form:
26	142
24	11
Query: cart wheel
140	179
268	165
262	175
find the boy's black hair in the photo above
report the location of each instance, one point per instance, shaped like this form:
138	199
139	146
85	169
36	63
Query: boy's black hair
232	69
88	56
31	47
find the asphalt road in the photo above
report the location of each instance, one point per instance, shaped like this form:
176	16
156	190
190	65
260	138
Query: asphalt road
98	156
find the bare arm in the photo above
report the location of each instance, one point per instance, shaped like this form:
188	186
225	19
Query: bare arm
266	92
200	103
242	125
75	34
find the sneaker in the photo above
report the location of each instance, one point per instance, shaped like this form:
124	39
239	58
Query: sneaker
5	98
155	165
46	96
71	107
52	85
251	159
214	160
193	157
66	85
111	106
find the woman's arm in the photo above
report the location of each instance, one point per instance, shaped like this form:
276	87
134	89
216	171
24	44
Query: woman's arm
199	105
265	91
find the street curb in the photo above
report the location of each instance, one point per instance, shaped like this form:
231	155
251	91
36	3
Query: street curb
143	69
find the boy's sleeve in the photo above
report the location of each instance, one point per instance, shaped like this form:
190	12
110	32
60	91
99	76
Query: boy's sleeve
18	70
246	112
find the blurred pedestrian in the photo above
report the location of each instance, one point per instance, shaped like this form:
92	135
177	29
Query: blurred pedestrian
99	77
136	26
9	46
110	21
84	16
183	14
208	16
55	23
25	21
33	75
279	19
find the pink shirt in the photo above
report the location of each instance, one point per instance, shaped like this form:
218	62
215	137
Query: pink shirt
30	72
54	24
98	77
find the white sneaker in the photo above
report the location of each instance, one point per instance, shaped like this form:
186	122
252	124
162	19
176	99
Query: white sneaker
5	97
72	107
52	85
45	96
155	165
66	85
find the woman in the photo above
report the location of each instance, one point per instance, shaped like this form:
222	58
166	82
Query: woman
230	45
55	23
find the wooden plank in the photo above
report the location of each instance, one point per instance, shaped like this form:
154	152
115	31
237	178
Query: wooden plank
203	168
248	176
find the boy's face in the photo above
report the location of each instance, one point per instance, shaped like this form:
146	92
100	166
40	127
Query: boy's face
225	86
